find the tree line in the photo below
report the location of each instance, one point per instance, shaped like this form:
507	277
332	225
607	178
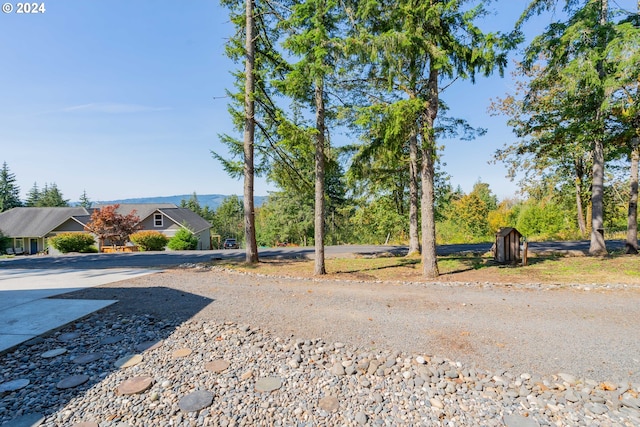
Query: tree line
315	67
47	196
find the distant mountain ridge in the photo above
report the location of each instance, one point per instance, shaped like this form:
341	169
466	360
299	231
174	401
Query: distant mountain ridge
210	200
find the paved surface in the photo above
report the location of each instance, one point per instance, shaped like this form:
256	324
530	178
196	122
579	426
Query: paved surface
26	311
172	258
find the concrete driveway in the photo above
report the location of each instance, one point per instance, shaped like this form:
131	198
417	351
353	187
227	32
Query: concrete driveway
27	311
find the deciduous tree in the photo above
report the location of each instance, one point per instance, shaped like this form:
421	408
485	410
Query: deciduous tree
108	224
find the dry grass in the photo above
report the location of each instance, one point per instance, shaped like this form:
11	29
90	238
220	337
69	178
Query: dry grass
554	269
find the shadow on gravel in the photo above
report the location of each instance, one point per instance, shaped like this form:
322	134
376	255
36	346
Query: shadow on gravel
94	345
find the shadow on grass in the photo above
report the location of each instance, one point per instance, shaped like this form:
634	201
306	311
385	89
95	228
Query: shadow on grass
401	263
462	264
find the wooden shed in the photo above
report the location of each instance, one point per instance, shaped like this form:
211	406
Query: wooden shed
507	247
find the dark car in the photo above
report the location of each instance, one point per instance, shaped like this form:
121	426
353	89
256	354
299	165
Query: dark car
230	244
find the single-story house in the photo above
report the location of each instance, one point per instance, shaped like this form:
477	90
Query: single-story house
29	228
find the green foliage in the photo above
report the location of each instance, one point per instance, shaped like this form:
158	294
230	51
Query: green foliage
285	217
268	68
194	205
183	240
465	218
149	240
9	190
504	215
228	220
379	220
544	220
85	202
471	216
4	242
73	242
49	196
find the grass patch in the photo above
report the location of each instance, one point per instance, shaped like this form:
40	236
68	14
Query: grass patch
549	269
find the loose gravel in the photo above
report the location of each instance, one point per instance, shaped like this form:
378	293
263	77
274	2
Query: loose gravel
208	347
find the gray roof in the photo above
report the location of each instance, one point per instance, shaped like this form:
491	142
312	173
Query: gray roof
35	222
143	210
178	215
183	215
39	222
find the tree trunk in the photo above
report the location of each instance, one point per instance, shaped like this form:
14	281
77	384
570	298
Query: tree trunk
319	267
249	135
429	259
582	225
632	217
579	169
598	246
414	237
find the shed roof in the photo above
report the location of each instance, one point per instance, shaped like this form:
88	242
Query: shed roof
35	222
505	231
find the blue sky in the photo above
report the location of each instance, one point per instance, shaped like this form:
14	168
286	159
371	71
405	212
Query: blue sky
124	99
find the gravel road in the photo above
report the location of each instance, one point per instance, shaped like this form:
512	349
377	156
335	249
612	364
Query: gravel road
589	331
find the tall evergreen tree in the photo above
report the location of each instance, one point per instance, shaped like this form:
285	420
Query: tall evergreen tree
314	39
249	136
33	196
51	196
413	45
85	202
252	108
9	190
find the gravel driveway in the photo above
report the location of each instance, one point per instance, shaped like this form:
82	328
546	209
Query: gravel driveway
590	332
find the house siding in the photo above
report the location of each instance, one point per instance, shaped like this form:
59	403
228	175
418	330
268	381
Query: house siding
68	226
39	224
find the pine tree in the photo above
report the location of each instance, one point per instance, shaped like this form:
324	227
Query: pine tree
9	190
314	39
412	47
85	202
252	109
51	196
33	196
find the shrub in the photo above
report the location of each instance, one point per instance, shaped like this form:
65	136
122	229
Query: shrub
73	242
149	240
183	240
4	242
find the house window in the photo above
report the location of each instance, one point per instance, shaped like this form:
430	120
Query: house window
19	243
157	220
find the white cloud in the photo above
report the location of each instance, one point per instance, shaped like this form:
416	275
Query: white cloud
113	108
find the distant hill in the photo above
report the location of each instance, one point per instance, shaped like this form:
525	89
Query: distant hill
211	200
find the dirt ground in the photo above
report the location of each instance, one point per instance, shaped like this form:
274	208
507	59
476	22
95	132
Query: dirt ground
589	331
